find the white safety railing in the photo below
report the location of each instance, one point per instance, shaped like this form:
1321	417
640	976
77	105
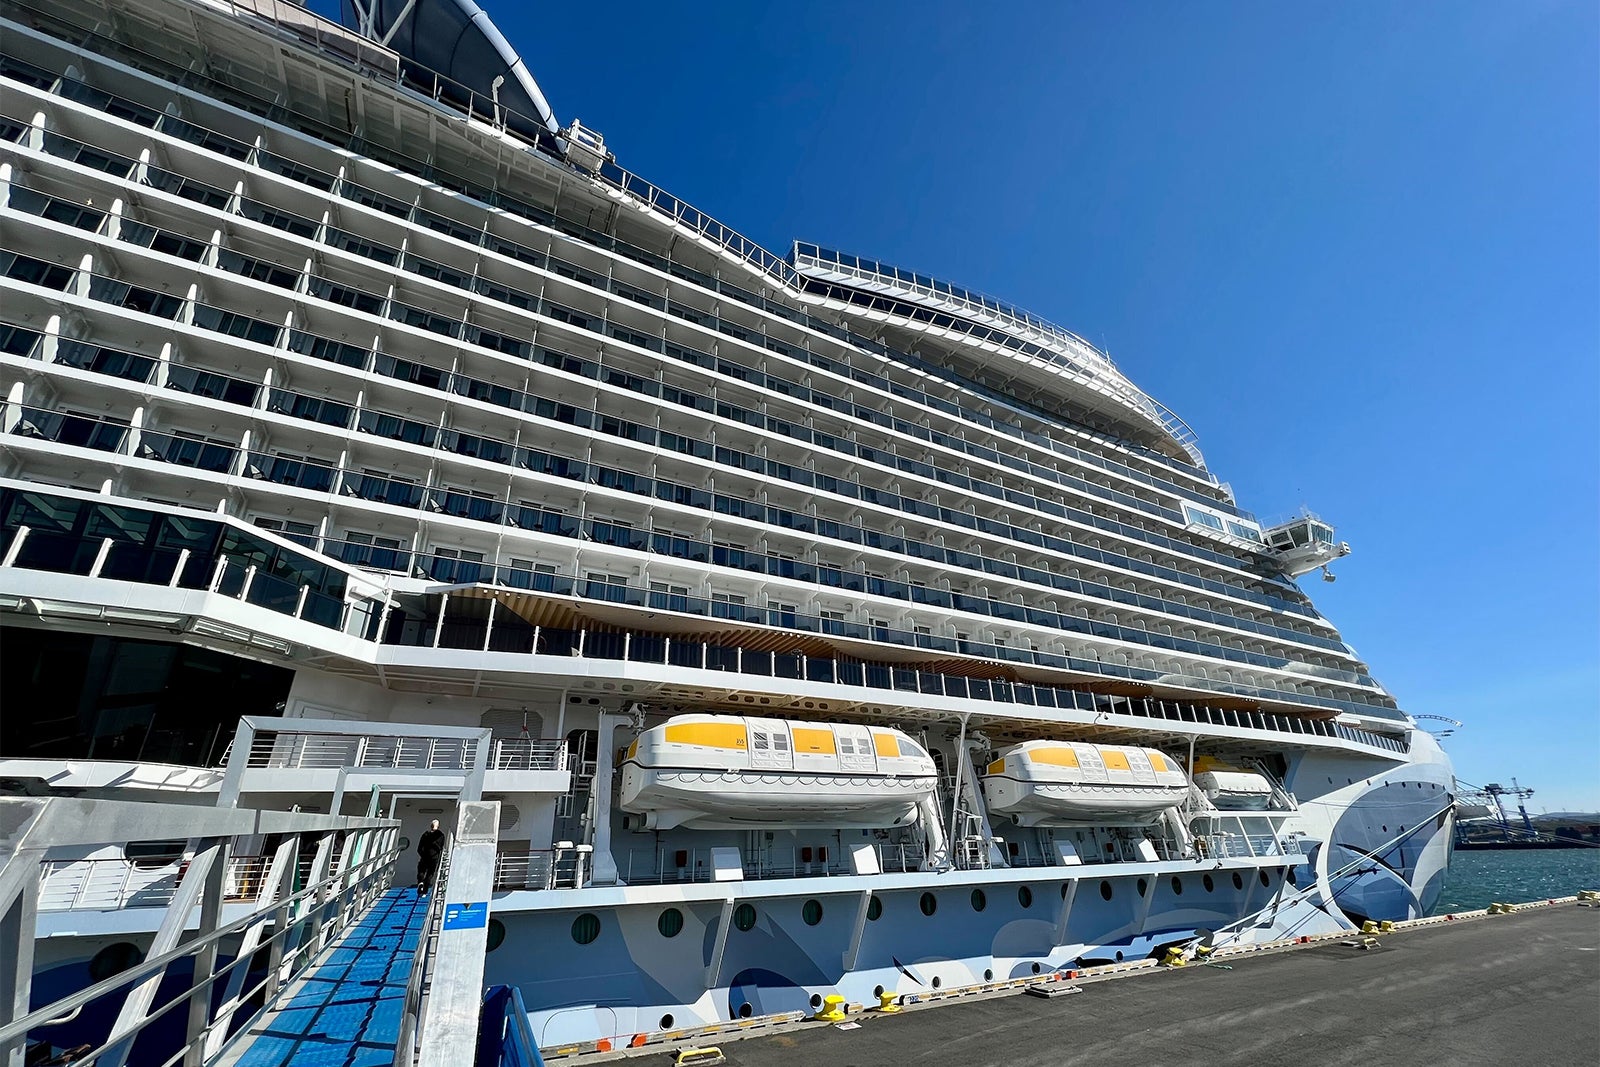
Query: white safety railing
528	754
297	912
541	868
665	865
113	884
288	750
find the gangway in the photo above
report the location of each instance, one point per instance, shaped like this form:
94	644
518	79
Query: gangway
349	1008
320	962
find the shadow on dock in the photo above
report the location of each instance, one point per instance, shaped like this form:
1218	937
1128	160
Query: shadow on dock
1521	988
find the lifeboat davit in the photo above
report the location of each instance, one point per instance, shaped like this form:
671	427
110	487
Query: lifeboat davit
1067	783
721	771
1231	789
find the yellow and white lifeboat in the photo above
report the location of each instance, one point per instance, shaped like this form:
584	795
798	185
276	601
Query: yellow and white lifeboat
720	771
1230	788
1064	783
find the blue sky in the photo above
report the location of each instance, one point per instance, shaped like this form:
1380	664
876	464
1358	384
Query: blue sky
1355	246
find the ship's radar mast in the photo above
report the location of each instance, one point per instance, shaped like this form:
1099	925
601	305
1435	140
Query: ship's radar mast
1303	544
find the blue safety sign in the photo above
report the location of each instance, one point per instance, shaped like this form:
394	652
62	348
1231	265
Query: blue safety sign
466	916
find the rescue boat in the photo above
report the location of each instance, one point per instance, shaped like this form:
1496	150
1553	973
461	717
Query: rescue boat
1061	783
1231	789
721	771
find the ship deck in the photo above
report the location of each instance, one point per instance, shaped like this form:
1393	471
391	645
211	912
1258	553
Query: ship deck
1517	988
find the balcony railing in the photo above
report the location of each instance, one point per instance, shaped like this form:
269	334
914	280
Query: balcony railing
632	185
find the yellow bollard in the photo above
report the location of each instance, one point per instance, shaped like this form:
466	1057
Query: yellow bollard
832	1008
886	1002
1369	927
1174	958
1386	927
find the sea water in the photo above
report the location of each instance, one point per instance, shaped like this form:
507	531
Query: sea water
1480	878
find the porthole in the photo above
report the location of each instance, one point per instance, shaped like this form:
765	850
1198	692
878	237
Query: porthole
1264	879
929	903
874	908
1211	887
979	900
666	1021
1105	890
497	934
988	974
811	912
585	928
745	1010
670	922
114	959
936	982
744	916
877	991
1144	887
1177	886
816	1000
1037	968
1119	956
1238	882
1024	896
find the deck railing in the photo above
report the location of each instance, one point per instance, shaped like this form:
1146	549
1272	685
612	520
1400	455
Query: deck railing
299	911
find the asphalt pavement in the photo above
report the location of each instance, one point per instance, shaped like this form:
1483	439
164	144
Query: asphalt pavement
1519	989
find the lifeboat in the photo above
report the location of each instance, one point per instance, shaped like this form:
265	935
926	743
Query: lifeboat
721	771
1065	783
1231	789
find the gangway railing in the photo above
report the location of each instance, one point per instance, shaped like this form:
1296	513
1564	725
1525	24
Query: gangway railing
405	1047
505	1037
447	1018
352	863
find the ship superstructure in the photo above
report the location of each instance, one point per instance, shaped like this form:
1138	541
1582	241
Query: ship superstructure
342	382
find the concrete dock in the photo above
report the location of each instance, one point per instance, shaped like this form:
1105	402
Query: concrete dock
1520	988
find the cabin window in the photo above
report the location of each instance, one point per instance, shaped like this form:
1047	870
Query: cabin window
1206	881
114	959
1143	887
1238	882
586	928
670	923
497	935
1025	896
744	916
929	903
811	912
153	855
1177	885
874	908
979	901
1105	889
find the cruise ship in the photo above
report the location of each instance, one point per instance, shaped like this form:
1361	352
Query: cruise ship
372	441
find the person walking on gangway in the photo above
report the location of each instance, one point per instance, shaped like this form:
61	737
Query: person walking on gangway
430	847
